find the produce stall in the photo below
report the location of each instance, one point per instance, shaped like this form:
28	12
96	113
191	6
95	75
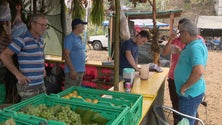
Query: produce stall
138	104
151	89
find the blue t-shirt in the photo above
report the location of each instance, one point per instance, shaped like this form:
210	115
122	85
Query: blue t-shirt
195	53
128	45
76	47
30	57
217	42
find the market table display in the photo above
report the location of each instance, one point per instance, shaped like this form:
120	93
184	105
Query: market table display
152	91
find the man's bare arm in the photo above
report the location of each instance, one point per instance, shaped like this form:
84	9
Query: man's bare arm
6	57
131	60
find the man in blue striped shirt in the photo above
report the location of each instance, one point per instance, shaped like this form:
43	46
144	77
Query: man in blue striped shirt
29	49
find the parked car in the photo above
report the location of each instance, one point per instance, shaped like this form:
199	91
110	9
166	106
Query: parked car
98	42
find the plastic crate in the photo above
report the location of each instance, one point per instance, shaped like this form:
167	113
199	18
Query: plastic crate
107	98
115	116
4	116
19	119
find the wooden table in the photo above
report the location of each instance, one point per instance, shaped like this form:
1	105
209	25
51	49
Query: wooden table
58	59
152	90
93	68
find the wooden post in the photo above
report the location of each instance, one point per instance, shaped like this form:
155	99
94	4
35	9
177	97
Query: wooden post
171	22
117	39
34	6
155	45
110	36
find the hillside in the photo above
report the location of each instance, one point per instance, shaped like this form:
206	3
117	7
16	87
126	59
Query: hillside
192	8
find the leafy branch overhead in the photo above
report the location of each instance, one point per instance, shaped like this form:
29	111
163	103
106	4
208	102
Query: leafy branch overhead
98	13
77	9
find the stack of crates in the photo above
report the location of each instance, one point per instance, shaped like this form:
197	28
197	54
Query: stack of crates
117	107
114	115
108	98
19	120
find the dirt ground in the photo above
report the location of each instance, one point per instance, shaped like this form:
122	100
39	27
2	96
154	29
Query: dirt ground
212	114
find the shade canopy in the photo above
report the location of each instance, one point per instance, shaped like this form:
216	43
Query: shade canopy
147	23
210	25
149	14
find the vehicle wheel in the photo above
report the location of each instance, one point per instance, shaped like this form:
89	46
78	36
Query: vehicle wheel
97	45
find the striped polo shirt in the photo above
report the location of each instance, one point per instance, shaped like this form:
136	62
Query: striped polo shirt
30	57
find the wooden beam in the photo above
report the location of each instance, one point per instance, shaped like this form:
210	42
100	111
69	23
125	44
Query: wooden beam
155	45
150	3
34	7
171	22
117	39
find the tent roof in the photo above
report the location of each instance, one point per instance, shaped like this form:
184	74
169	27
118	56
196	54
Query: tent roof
210	25
147	23
209	22
146	14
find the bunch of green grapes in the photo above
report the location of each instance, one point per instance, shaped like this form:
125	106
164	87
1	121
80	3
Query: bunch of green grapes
68	116
57	112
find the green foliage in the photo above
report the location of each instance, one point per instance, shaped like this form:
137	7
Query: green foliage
97	14
186	6
97	30
78	11
146	6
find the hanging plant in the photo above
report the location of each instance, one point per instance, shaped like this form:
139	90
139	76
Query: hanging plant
97	14
77	9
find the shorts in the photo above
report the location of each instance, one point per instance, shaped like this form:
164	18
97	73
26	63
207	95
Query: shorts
27	91
77	82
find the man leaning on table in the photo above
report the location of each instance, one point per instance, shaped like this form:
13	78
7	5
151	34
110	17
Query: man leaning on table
129	51
188	74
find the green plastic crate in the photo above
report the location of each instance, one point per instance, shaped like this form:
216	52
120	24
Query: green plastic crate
2	93
114	115
111	98
19	119
5	116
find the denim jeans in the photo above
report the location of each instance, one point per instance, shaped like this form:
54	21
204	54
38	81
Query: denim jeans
174	99
189	105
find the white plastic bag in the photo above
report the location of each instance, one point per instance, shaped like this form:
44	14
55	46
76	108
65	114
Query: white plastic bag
124	27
